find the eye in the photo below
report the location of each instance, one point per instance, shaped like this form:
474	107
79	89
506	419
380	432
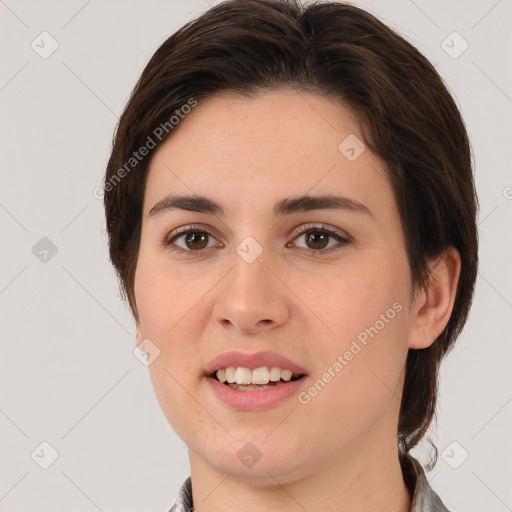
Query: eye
317	239
194	239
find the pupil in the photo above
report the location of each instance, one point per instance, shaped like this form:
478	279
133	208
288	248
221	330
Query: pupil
191	237
322	236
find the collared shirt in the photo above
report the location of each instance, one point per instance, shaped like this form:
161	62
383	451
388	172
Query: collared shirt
424	499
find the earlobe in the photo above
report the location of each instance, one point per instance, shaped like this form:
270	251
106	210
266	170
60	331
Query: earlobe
434	304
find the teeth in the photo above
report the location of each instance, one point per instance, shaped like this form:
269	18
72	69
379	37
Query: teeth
244	376
221	375
251	387
260	376
230	374
286	375
275	374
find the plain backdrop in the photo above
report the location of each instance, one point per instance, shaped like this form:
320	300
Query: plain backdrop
73	395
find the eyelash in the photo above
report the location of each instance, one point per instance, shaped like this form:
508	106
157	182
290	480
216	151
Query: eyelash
343	240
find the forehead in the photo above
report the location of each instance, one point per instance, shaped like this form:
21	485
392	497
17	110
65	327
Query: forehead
250	149
230	123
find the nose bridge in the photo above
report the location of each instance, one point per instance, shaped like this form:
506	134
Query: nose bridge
251	296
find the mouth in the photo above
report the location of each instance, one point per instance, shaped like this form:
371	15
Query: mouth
255	379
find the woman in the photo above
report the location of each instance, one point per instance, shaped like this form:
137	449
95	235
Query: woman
291	212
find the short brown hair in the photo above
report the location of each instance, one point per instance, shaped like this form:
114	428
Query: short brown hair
407	115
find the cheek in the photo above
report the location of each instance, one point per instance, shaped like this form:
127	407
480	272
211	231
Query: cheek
360	367
361	294
172	313
164	304
164	294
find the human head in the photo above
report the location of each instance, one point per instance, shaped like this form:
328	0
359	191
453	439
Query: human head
407	118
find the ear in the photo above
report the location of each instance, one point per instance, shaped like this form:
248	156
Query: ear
434	304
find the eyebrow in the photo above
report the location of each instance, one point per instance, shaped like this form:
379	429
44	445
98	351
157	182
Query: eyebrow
287	206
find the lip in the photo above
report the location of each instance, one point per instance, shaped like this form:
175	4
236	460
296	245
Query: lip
251	400
254	360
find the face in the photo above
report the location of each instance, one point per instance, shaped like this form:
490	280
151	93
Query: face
325	286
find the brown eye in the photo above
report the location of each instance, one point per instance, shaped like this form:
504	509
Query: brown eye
196	240
317	240
190	241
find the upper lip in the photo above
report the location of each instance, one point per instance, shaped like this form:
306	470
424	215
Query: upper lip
254	360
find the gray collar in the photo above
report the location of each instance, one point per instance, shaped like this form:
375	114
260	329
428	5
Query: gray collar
424	499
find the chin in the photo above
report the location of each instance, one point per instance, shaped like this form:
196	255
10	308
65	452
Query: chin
262	461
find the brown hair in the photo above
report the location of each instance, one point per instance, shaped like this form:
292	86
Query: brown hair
407	116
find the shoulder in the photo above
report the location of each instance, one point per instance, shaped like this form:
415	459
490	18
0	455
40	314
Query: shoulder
183	501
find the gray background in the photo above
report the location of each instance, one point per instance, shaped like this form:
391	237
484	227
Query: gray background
68	375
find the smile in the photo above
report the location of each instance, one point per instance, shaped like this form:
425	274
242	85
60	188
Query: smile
257	379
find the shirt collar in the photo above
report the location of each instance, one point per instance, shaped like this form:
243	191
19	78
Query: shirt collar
424	499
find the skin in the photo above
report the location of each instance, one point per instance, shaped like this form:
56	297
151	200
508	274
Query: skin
339	451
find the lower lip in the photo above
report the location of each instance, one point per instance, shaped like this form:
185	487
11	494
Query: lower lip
250	400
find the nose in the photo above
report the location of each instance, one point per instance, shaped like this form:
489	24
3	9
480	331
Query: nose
252	298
